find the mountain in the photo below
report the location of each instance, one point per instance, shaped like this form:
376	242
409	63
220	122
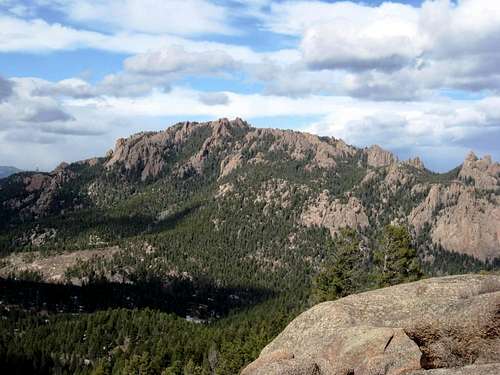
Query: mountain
322	182
441	323
7	171
195	246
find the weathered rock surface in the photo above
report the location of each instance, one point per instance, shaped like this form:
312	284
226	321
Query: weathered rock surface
490	369
333	214
145	152
484	173
51	268
378	157
41	191
450	322
415	163
460	221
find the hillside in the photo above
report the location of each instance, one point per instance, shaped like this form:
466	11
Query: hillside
217	223
322	182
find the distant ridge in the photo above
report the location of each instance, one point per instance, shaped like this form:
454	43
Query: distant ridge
6	171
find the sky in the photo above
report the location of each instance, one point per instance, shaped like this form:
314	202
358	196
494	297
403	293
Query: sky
420	78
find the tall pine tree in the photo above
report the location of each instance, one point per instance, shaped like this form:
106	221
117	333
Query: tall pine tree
395	258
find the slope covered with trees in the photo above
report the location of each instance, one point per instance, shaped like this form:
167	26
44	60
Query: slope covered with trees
225	233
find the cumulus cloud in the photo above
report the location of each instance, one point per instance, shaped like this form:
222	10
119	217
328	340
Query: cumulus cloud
439	44
37	35
119	84
48	115
418	128
181	17
26	112
359	38
213	98
5	89
72	87
142	73
175	59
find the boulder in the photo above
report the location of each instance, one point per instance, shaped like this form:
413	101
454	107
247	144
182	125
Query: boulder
441	322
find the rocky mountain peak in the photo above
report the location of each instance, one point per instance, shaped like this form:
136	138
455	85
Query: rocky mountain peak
471	156
378	157
483	173
416	163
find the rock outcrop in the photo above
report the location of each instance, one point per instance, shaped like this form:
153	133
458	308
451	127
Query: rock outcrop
459	220
334	214
39	191
146	152
378	157
451	323
415	163
483	173
320	152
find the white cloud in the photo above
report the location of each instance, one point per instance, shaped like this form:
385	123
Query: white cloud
441	44
5	89
177	17
175	59
47	115
358	37
214	98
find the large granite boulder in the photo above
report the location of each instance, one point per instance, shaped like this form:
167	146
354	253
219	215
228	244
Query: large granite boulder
449	322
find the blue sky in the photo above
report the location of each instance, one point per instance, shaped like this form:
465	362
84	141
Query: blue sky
417	77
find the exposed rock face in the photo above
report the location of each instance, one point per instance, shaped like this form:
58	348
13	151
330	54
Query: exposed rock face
301	145
443	322
460	221
378	157
145	152
36	182
397	176
471	227
142	150
230	163
42	191
484	173
489	369
333	215
416	163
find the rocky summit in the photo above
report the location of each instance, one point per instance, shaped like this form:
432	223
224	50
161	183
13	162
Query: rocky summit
339	185
448	325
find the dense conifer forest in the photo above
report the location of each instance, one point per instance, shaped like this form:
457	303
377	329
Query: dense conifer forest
211	266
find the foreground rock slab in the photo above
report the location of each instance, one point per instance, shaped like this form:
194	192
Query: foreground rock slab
439	326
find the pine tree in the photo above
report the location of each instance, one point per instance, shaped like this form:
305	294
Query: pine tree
396	259
343	275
